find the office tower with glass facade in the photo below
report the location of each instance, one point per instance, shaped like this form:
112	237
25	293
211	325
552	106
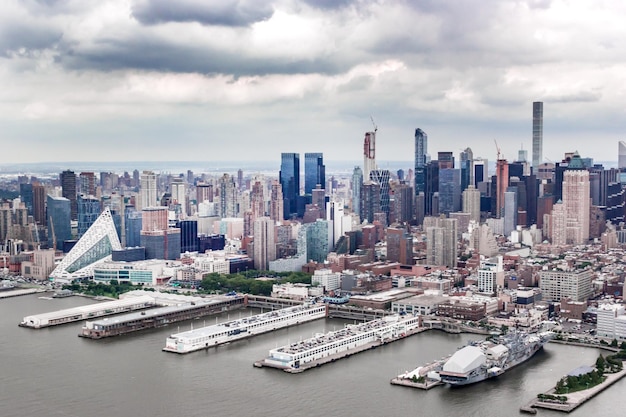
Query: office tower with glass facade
314	171
289	178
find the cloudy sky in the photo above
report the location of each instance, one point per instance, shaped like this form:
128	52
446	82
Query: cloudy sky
203	80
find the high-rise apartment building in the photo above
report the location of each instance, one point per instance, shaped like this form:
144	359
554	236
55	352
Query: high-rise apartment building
441	242
421	151
87	182
621	162
179	196
289	178
204	192
68	190
370	200
381	177
577	204
264	243
39	204
502	183
357	184
276	202
471	203
537	134
148	189
160	241
228	196
314	172
369	153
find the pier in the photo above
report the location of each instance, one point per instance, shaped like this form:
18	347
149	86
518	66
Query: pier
218	334
20	291
159	317
421	376
354	338
87	312
574	399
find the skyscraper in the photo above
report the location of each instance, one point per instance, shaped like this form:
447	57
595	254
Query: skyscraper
357	184
467	168
449	190
228	196
264	243
39	204
88	212
502	183
276	202
68	190
369	153
148	189
314	171
290	181
179	196
59	221
441	242
471	203
577	203
381	177
621	162
87	182
537	134
421	149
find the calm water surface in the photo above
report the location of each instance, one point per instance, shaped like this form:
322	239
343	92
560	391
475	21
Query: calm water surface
52	372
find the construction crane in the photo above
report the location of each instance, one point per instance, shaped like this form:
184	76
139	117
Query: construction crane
375	127
498	149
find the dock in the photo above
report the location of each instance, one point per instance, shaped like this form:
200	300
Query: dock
19	291
69	315
325	348
410	379
218	334
574	399
159	317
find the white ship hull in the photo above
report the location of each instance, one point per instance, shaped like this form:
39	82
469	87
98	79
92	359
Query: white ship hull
519	351
219	334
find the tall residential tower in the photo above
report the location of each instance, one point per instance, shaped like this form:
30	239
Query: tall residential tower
537	134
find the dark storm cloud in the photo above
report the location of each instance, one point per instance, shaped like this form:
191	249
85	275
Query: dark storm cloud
25	38
329	4
155	55
206	12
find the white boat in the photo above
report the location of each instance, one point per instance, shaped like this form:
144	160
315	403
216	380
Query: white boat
206	337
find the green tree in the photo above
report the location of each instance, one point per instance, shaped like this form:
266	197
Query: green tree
600	364
614	343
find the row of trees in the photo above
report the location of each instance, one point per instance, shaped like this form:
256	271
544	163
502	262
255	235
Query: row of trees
246	282
113	289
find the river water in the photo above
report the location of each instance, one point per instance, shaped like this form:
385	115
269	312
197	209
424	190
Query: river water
52	372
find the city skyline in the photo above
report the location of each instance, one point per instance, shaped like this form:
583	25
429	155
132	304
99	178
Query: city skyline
119	80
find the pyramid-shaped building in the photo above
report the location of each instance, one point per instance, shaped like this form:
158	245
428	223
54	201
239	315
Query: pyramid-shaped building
96	245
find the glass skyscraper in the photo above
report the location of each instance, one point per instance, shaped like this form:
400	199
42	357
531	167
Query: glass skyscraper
88	212
314	172
290	181
59	220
